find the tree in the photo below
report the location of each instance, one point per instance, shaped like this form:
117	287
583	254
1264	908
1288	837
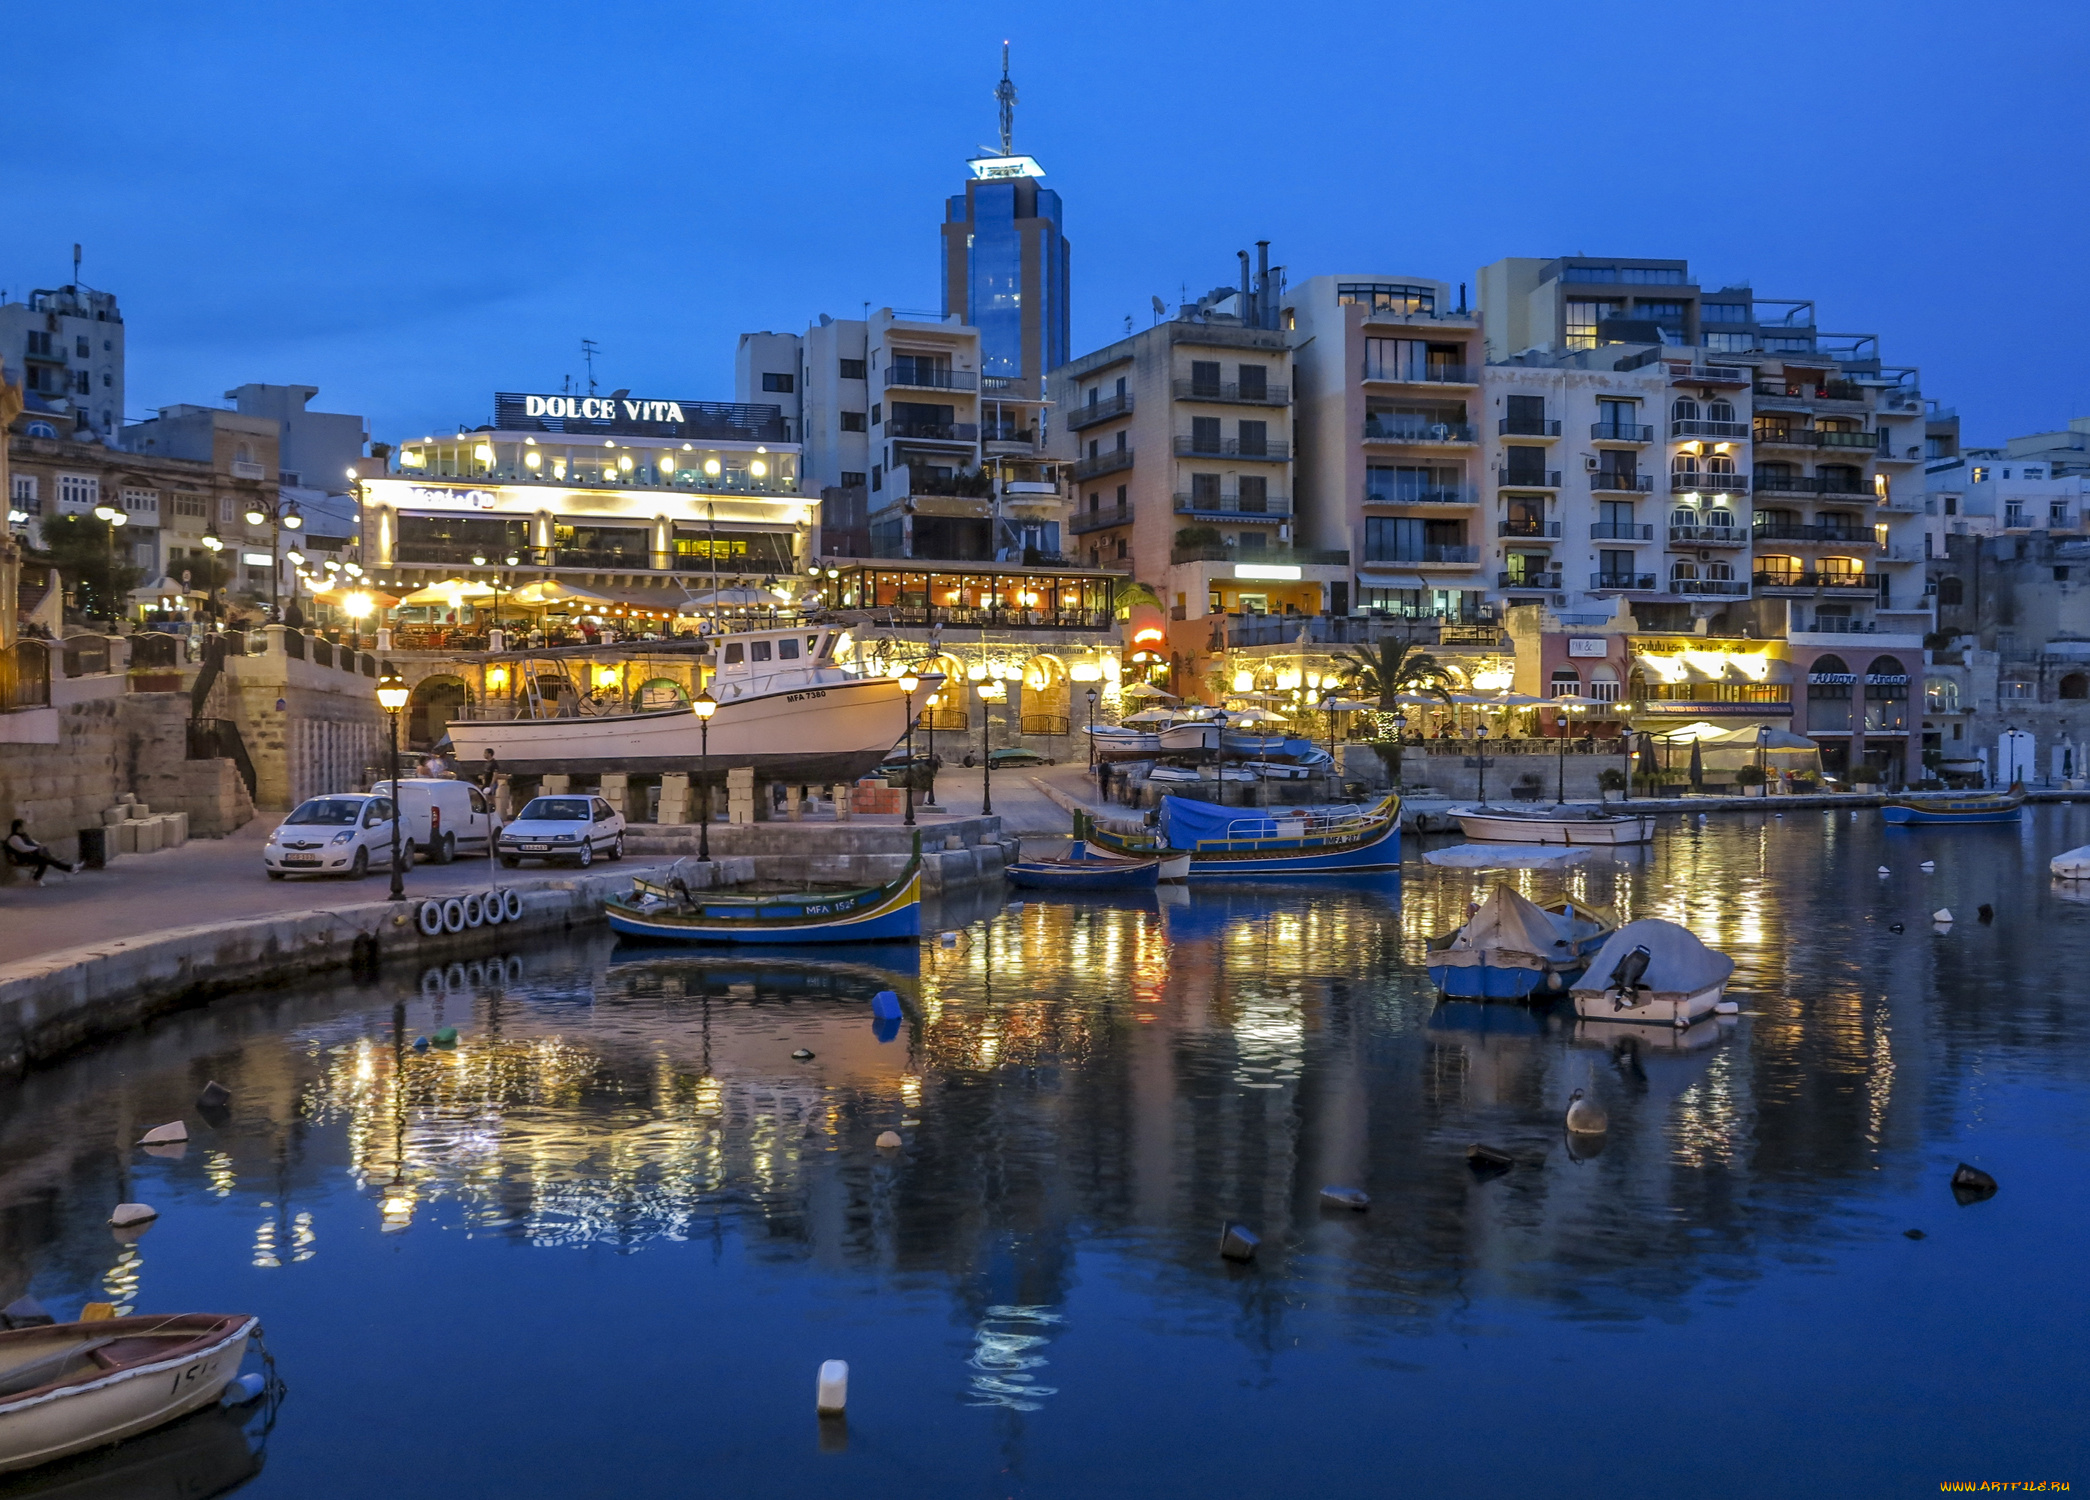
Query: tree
1386	671
80	548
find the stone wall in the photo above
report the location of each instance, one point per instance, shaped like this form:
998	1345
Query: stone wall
310	727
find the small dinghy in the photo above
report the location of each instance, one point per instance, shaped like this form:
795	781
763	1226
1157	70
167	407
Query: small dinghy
1512	948
1083	869
1655	973
68	1387
2074	865
1564	824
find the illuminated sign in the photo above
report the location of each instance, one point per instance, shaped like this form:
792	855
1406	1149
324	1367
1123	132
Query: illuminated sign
1588	646
1834	679
999	168
1273	572
602	409
476	499
637	416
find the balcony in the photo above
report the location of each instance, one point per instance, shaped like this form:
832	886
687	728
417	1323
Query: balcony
1868	442
1808	583
1451	494
1274	450
1843	487
1537	427
1427	375
1078	417
1109	461
1384	429
1695	428
1233	394
1779	532
1695	482
1273	508
1446	555
1082	522
929	378
1618	482
1782	397
241	469
1620	531
1719	588
1708	536
1620	432
1776	435
1831	625
1304	557
967	433
1528	479
1622	583
1535	530
1785	484
1711	375
1527	580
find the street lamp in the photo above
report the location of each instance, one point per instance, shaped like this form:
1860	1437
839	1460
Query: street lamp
1567	723
990	691
279	515
706	706
908	683
1482	760
1092	696
115	516
392	694
929	803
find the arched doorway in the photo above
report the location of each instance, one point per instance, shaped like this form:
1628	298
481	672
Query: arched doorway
436	701
1047	696
1886	696
1829	684
2075	686
946	708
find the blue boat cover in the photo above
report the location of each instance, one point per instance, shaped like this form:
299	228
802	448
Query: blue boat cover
1189	823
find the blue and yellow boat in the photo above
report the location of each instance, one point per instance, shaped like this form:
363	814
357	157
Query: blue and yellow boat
2002	807
668	910
1232	843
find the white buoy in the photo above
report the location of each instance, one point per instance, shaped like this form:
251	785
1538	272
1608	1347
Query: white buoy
1885	871
889	1140
243	1390
164	1135
133	1213
1727	1007
1928	866
1942	915
833	1397
1586	1116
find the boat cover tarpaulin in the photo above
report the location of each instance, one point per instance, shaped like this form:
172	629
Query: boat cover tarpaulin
1678	964
1508	932
1508	856
1189	823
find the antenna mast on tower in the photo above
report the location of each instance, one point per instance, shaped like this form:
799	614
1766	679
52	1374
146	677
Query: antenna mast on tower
1005	96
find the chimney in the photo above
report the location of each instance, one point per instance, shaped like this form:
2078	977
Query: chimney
1247	318
1262	285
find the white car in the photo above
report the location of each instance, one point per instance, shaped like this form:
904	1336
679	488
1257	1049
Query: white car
574	826
343	834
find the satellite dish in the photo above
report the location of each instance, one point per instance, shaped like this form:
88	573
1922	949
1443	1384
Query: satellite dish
1159	309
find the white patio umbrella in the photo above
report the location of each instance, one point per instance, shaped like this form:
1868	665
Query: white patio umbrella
450	592
1146	690
549	591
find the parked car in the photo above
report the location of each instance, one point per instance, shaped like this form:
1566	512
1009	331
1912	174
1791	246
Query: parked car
443	818
342	834
894	769
573	826
1014	755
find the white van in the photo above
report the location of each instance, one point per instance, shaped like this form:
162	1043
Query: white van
443	818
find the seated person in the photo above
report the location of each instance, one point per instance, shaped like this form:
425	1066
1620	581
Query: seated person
26	853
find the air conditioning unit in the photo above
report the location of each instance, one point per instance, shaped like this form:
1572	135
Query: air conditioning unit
1560	601
1589	462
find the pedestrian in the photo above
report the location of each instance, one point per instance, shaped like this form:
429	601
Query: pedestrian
489	773
25	853
1102	781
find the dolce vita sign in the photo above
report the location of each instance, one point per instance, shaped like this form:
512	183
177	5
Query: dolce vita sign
602	409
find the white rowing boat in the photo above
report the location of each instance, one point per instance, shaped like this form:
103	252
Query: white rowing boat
1563	824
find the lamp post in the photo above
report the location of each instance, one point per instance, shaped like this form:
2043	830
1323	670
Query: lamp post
1567	713
1481	760
392	694
1092	695
990	690
114	516
908	683
706	706
929	803
279	515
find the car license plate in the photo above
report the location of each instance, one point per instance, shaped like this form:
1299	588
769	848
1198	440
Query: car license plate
534	848
301	859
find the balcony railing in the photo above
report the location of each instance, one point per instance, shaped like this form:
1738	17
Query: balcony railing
1534	529
1696	428
1311	557
1698	482
1620	531
1815	437
1776	436
1427	375
1274	507
1855	582
1274	450
1834	625
1786	398
1612	481
1723	588
1710	374
930	378
1109	461
1078	417
934	432
1084	521
1852	487
1623	582
991	432
1393	430
1527	427
1528	479
1869	441
1620	432
1527	580
1709	536
1445	553
1451	494
1785	484
1233	392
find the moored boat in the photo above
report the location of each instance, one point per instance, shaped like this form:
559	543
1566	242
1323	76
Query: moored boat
1652	972
1232	842
1511	948
68	1387
668	909
2000	807
1084	869
2074	865
1562	824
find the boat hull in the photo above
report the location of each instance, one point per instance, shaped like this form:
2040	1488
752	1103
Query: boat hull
822	734
1948	814
1101	874
1500	982
893	914
71	1419
1673	1010
1377	847
1179	739
1489	828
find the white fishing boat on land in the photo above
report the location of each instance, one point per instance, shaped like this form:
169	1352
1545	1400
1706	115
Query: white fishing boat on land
1564	823
68	1387
785	707
1655	973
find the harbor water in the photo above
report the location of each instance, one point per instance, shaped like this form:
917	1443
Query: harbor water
602	1245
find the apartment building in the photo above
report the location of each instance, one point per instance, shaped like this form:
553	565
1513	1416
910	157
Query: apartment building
915	452
1178	440
67	344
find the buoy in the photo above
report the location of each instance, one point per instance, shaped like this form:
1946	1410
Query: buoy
243	1390
1345	1197
1586	1116
1942	914
1971	1184
1885	871
1985	912
133	1213
832	1397
803	1055
447	1037
885	1006
889	1140
1488	1158
1927	867
1895	927
1237	1242
164	1135
214	1096
1727	1007
420	1044
948	939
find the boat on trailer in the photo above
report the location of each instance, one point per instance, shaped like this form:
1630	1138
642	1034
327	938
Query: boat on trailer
1945	812
68	1387
1236	842
668	908
1512	948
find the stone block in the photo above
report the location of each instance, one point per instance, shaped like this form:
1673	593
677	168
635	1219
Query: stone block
148	836
124	836
556	785
113	815
177	831
139	810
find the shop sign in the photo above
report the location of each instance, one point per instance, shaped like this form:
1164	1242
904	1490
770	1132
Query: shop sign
1001	168
602	409
1835	679
475	499
1886	679
1581	645
1273	572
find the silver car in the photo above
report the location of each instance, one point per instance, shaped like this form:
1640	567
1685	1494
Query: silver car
574	826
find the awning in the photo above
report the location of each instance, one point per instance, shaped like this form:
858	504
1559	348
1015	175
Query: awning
1380	579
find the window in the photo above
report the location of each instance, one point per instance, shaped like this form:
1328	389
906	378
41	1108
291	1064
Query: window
1413	484
758	651
142	503
1582	320
2015	692
1979	475
853	421
851	369
1630	275
852	479
78	492
82	349
1255	439
25	497
1204	377
877	413
1254	383
1723	312
734	655
40	343
877	476
1204	434
1728	343
1124	547
1386	296
228	511
1567	682
42	429
1719	410
782	384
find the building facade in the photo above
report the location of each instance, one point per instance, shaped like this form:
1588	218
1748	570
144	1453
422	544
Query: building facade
66	344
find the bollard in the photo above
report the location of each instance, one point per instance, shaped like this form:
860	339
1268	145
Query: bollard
832	1398
214	1096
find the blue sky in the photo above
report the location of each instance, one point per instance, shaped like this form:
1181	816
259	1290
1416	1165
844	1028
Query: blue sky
411	206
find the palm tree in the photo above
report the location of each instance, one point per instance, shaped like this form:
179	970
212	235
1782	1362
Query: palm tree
1389	669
